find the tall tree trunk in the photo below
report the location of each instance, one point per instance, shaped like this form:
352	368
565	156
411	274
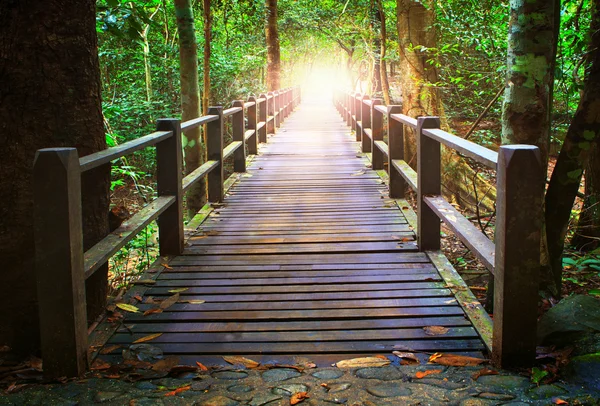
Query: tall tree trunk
420	97
273	52
582	137
50	92
385	84
190	100
206	66
146	51
587	233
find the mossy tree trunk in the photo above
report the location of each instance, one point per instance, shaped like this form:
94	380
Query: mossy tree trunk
273	51
206	65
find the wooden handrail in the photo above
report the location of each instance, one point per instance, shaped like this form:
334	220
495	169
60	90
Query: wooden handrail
514	258
61	264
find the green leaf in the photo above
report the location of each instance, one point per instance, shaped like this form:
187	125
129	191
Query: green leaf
537	375
594	292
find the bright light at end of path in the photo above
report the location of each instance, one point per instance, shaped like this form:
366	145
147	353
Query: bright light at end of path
322	80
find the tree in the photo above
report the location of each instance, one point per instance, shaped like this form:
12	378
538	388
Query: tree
50	92
273	51
207	39
385	85
190	100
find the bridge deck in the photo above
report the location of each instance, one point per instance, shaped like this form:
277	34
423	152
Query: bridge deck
306	257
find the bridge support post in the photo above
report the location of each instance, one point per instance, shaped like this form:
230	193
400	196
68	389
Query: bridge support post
270	113
214	152
169	162
238	126
262	113
429	183
357	110
277	108
376	135
253	140
365	120
348	105
59	271
395	151
520	189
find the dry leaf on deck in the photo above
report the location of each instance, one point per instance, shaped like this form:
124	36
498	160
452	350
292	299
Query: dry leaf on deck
483	372
128	307
193	301
201	366
236	359
166	266
100	365
558	401
153	311
423	374
212	232
178	290
178	390
147	338
165	365
363	362
169	301
298	397
452	360
109	349
435	330
407	358
144	282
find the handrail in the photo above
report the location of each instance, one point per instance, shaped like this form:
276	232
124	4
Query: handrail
61	264
514	257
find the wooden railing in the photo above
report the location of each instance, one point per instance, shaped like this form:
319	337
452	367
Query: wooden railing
514	258
61	264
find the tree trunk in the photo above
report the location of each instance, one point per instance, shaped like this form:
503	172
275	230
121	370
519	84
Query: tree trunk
385	84
207	39
582	137
50	92
587	233
273	53
190	100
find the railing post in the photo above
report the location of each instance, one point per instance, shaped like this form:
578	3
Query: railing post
169	164
377	135
520	189
429	183
58	236
395	151
365	118
238	126
348	103
252	141
277	108
357	110
214	152
262	118
270	113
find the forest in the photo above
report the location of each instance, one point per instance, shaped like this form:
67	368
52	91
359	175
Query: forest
496	73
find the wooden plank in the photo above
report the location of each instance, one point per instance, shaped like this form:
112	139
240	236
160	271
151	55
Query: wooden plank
331	247
474	151
197	122
231	148
408	173
198	174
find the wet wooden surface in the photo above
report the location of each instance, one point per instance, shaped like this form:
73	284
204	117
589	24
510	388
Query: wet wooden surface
306	257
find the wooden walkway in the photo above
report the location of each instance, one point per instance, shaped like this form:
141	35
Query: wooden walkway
307	257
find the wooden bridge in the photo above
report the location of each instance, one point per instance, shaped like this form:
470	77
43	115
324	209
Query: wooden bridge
309	251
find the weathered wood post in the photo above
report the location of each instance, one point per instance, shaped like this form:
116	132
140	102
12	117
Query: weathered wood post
348	104
376	135
270	113
365	119
253	140
238	127
357	110
520	189
169	164
214	152
429	183
262	118
395	131
59	272
277	108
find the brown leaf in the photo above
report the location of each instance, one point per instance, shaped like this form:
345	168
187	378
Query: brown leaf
100	365
14	388
380	356
166	266
456	360
201	366
558	401
138	298
435	330
35	363
178	390
423	374
181	369
239	360
170	301
165	365
109	349
363	362
483	372
144	282
407	358
153	311
298	397
212	232
147	338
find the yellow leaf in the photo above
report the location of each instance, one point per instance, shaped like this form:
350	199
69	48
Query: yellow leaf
178	290
193	301
128	307
435	330
363	362
236	359
166	266
147	338
144	282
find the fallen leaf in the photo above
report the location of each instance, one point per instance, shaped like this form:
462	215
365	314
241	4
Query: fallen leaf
150	300
423	374
298	397
138	298
456	360
14	388
193	301
153	311
100	365
358	173
407	358
178	290
201	366
166	266
178	390
324	385
435	330
170	301
35	363
144	282
212	232
128	307
380	356
558	401
483	372
165	365
147	338
236	359
363	362
109	349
